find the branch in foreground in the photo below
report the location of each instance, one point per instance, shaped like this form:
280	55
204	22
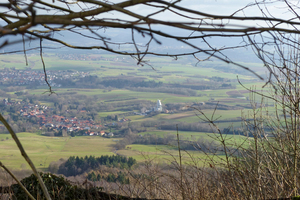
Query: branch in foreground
26	157
17	180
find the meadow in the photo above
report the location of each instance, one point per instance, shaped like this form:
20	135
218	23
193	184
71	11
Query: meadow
43	150
121	96
164	69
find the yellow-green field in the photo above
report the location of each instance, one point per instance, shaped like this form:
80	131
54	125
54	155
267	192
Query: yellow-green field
169	70
162	154
43	150
231	140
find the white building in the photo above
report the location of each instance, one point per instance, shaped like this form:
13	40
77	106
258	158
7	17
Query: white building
158	106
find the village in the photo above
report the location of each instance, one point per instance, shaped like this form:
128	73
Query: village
87	57
57	125
18	77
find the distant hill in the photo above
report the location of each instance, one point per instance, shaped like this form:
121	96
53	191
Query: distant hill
169	46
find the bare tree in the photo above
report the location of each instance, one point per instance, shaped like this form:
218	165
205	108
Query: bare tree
265	165
269	168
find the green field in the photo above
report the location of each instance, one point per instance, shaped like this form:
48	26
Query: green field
231	140
164	69
172	71
166	154
159	153
43	150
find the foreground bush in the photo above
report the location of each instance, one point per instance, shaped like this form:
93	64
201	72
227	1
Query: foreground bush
60	188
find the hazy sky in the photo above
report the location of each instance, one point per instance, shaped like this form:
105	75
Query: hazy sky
208	6
220	7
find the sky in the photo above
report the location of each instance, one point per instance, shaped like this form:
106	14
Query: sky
209	6
219	7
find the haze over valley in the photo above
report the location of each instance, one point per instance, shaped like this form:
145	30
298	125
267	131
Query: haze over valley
103	97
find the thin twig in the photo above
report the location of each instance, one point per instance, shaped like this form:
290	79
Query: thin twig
180	165
24	50
44	67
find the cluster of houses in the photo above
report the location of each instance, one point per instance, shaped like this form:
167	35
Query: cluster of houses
88	57
14	76
79	57
60	123
88	127
8	102
101	133
34	109
56	123
53	122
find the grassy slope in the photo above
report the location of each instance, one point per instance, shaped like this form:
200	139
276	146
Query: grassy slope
231	140
43	150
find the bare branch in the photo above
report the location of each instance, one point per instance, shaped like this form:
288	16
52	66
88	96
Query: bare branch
17	180
26	157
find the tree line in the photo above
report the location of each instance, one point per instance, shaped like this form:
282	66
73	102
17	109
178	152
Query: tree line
78	165
93	81
184	126
137	84
170	140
